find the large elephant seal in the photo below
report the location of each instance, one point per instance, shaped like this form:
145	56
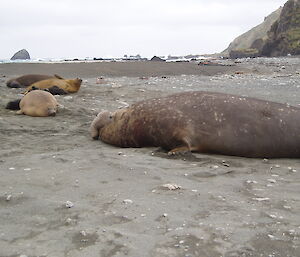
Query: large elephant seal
67	85
38	103
27	80
205	122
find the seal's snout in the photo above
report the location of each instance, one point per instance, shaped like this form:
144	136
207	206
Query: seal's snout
13	84
51	112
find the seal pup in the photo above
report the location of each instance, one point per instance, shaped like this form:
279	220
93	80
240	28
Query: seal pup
205	122
67	85
38	103
27	80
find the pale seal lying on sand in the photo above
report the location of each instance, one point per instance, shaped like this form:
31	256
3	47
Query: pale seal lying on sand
38	103
205	122
67	85
27	80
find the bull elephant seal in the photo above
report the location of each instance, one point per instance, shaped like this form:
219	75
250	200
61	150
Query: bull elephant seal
67	85
38	103
27	80
205	122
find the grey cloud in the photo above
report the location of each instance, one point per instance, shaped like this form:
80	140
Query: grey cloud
115	27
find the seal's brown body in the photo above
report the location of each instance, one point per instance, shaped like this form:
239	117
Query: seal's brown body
26	80
68	85
205	122
38	103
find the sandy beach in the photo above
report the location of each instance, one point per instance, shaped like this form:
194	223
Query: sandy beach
64	194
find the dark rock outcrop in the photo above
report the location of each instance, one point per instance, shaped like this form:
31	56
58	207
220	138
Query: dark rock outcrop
157	59
284	35
21	55
244	53
249	38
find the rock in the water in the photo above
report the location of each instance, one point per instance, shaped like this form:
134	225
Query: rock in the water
157	59
21	55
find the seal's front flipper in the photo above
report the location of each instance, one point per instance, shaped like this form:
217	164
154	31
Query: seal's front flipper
20	112
182	150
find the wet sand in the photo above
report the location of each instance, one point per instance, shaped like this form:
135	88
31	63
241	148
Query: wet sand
119	206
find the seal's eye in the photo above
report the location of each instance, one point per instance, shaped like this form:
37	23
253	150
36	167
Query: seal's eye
110	116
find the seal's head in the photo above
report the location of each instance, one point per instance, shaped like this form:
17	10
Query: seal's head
102	119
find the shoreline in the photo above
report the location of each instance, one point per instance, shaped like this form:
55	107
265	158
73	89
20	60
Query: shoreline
116	69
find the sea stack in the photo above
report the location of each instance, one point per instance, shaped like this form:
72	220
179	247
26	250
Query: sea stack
21	55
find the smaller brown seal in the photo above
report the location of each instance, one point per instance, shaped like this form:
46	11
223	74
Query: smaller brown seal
205	122
27	80
67	85
38	103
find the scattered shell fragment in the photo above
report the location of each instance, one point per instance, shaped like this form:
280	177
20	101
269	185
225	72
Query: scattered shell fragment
127	201
69	204
272	180
8	197
68	97
68	221
260	199
224	163
171	186
271	236
12	168
83	233
251	182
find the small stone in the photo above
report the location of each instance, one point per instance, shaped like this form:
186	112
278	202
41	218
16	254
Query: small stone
12	168
27	169
143	215
165	215
272	180
277	166
265	160
8	197
69	204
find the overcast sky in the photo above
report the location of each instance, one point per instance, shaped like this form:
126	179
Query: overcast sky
112	28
